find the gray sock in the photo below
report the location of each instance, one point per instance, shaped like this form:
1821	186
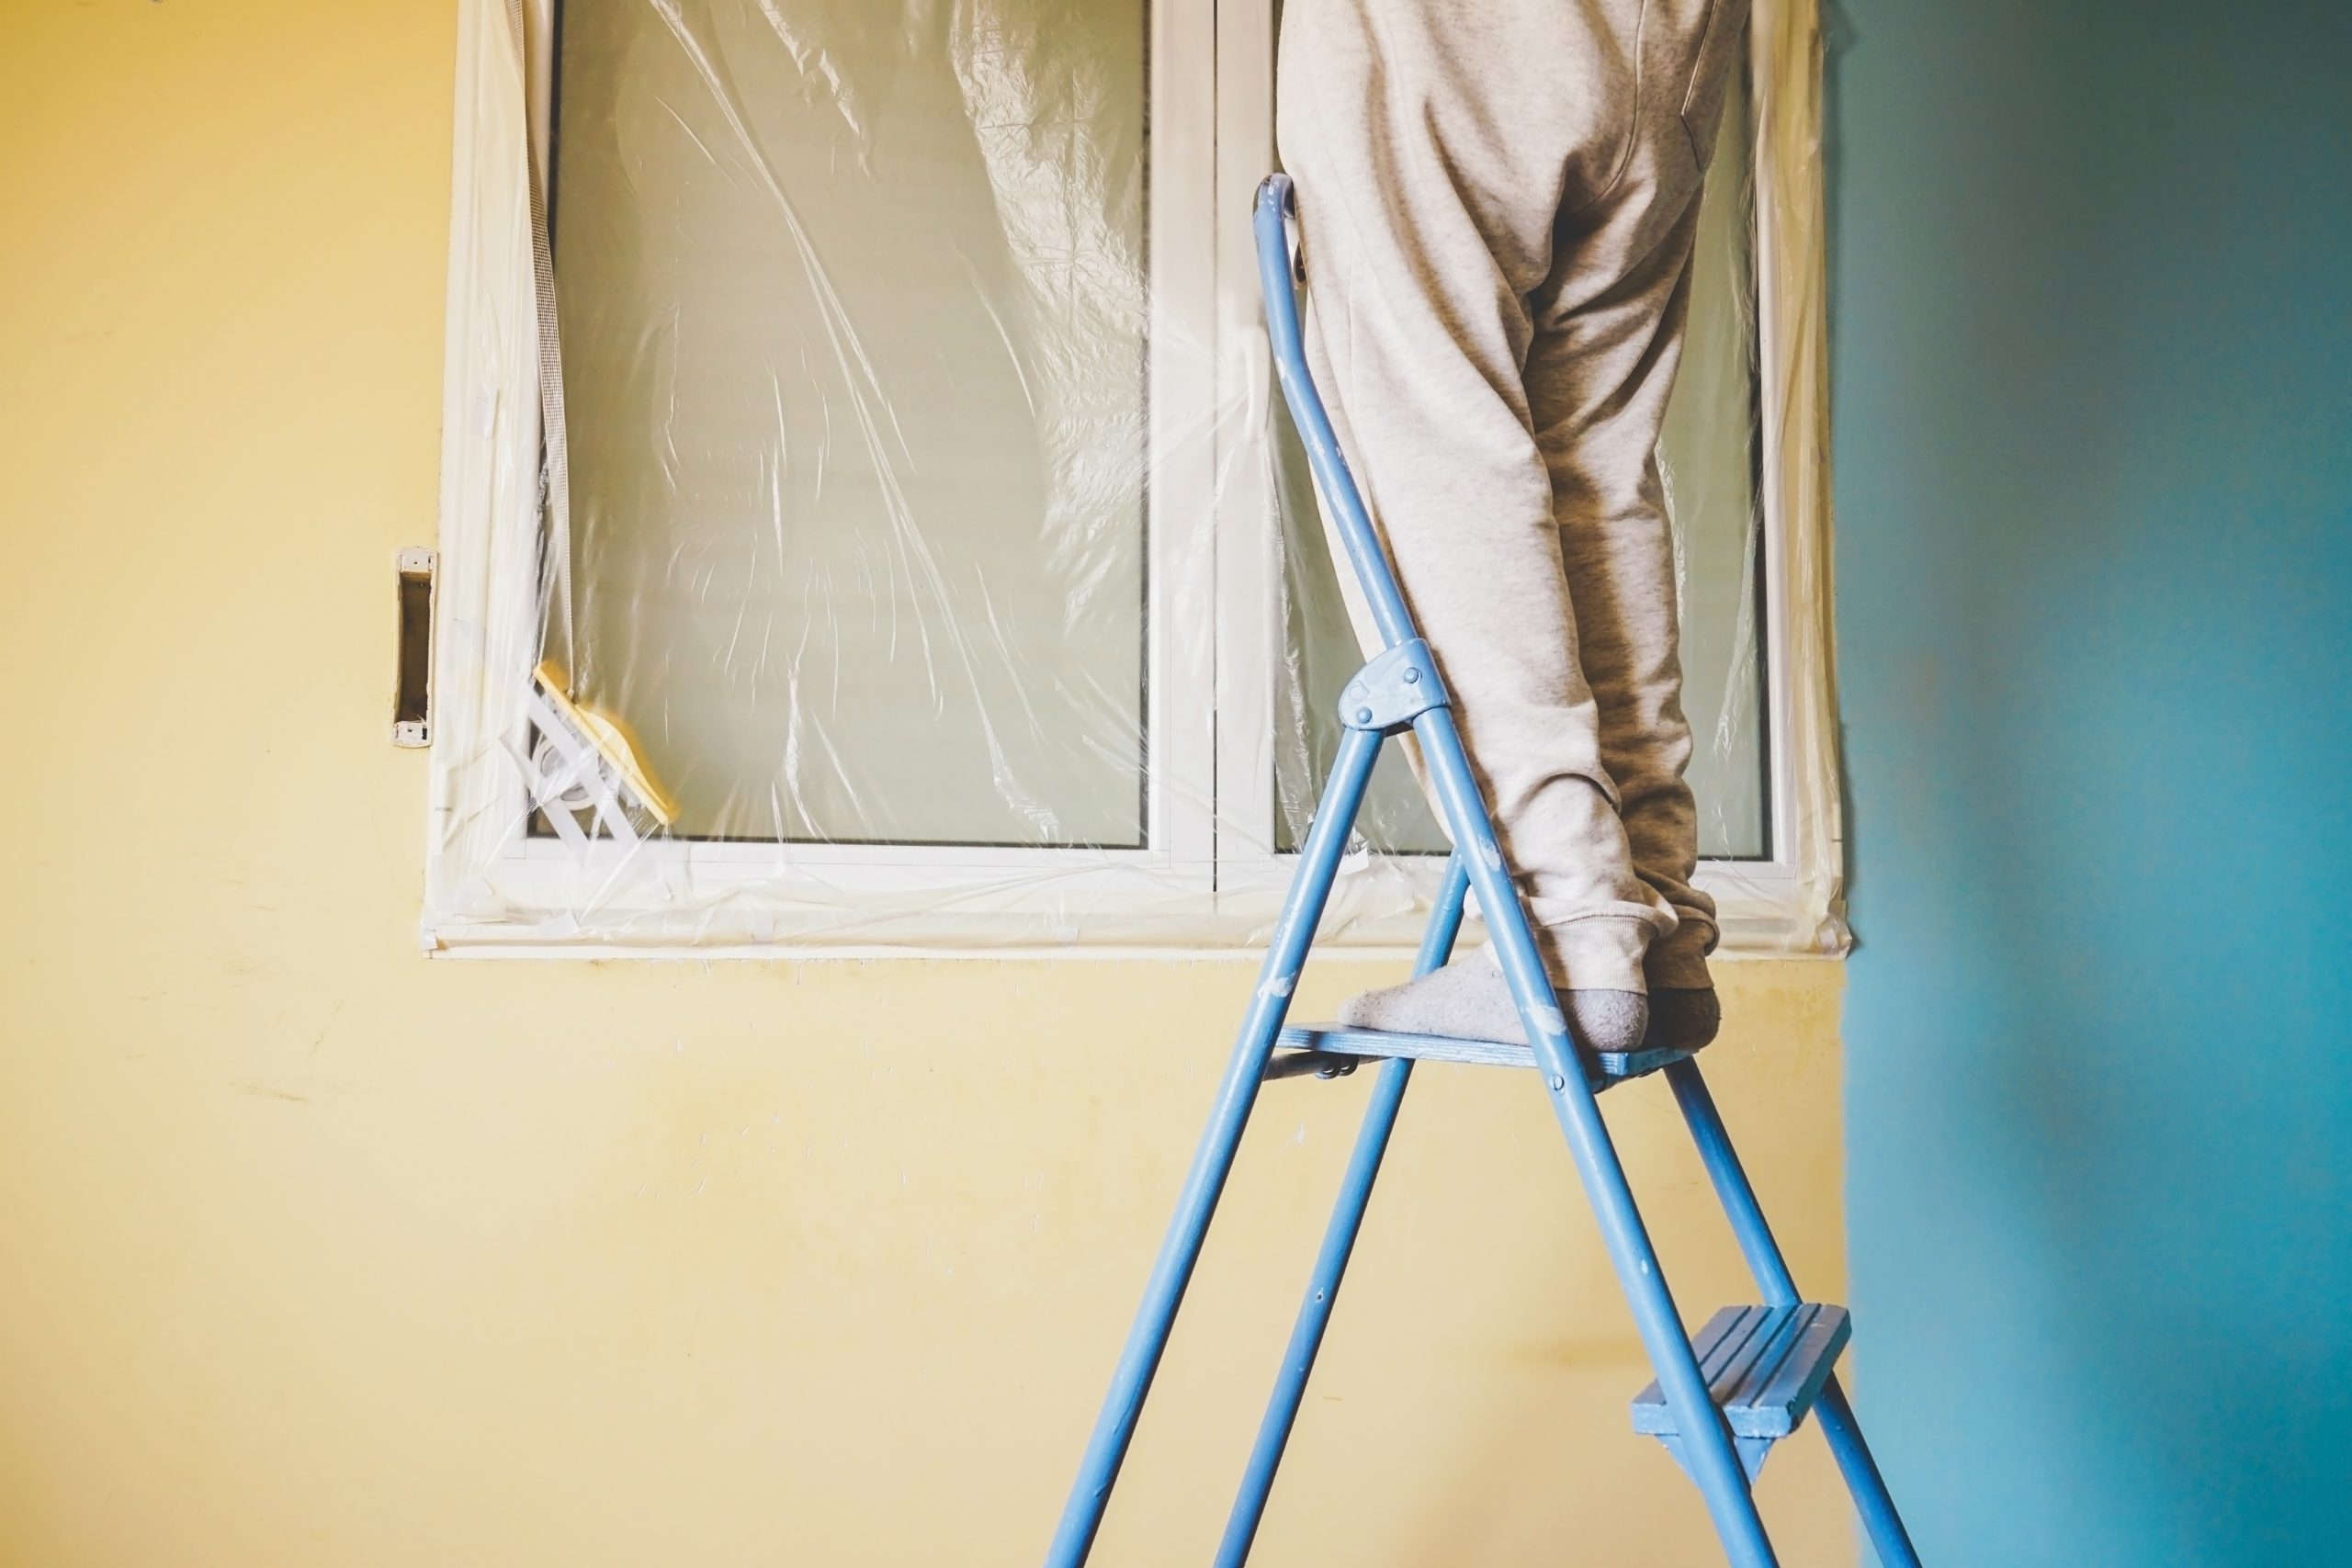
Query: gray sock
1683	1019
1469	999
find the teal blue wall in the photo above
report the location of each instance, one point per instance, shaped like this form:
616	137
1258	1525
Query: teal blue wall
2092	305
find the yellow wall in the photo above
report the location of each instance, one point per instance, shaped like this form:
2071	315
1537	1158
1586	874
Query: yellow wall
319	1253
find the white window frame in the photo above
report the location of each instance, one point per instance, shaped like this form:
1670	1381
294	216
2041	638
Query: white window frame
1211	877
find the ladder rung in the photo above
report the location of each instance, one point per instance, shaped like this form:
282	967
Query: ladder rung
1328	1049
1764	1368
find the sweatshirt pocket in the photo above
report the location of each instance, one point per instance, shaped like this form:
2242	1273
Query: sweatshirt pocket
1722	41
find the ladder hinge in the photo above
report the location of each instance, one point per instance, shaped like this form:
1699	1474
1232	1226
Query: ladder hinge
1394	690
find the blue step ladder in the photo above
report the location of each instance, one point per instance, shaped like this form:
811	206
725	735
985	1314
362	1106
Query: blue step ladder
1722	1400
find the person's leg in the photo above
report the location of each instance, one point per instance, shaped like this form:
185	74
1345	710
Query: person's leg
1600	366
1434	147
1597	377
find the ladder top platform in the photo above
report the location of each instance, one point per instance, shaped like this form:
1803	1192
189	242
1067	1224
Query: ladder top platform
1328	1049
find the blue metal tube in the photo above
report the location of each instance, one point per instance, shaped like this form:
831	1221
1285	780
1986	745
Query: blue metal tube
1871	1499
1357	535
1738	1199
1707	1442
1326	839
1339	1242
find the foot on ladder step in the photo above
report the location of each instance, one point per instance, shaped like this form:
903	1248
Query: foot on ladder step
1471	999
1764	1367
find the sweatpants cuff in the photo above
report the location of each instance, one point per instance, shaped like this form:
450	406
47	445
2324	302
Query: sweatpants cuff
1678	961
1596	953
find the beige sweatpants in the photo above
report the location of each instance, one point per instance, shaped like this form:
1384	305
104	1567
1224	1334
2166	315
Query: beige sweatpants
1496	201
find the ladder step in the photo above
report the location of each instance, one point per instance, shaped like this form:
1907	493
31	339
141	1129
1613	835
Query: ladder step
1328	1049
1764	1368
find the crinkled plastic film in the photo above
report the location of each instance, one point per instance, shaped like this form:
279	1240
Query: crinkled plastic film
870	585
1803	909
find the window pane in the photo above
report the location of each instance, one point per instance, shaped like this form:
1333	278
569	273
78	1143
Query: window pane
1709	451
853	303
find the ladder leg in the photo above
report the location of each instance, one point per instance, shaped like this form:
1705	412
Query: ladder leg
1707	1442
1213	1161
1339	1242
1871	1499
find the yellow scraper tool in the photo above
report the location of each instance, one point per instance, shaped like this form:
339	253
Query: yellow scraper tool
613	742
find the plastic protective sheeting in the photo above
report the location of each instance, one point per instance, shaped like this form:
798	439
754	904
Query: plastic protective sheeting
853	308
862	588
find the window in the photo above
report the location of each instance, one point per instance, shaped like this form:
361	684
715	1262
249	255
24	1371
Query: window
928	529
